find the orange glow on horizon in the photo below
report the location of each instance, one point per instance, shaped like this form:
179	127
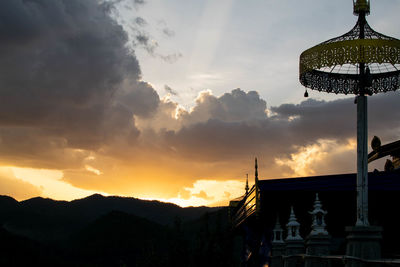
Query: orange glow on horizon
51	185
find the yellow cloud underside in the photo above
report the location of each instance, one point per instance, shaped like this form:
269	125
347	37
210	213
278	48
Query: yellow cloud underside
49	181
307	159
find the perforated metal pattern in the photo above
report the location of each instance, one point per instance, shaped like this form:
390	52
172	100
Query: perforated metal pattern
332	66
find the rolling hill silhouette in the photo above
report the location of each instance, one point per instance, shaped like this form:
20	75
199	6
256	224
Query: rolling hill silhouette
112	231
46	219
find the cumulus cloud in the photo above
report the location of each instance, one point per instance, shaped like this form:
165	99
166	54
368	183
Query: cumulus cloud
226	128
310	138
236	106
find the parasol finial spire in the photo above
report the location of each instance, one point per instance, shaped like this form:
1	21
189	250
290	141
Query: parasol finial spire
361	6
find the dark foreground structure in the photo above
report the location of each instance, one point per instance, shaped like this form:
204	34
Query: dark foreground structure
306	221
337	193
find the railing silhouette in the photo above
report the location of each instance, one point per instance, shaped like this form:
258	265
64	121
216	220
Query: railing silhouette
247	207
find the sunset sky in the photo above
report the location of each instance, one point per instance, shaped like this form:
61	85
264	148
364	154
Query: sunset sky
171	99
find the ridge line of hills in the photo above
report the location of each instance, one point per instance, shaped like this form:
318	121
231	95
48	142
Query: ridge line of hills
47	219
113	231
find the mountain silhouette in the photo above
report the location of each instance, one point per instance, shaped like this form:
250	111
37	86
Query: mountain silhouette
113	231
45	219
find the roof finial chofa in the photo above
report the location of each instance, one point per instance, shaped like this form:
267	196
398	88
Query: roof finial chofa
256	170
247	183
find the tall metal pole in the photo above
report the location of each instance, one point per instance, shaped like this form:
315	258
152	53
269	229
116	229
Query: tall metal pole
362	140
316	65
362	162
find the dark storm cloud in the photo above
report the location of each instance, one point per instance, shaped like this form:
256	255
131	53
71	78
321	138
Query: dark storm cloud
142	101
29	146
17	25
314	119
337	119
64	62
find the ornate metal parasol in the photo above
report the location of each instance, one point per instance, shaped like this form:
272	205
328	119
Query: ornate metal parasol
361	62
